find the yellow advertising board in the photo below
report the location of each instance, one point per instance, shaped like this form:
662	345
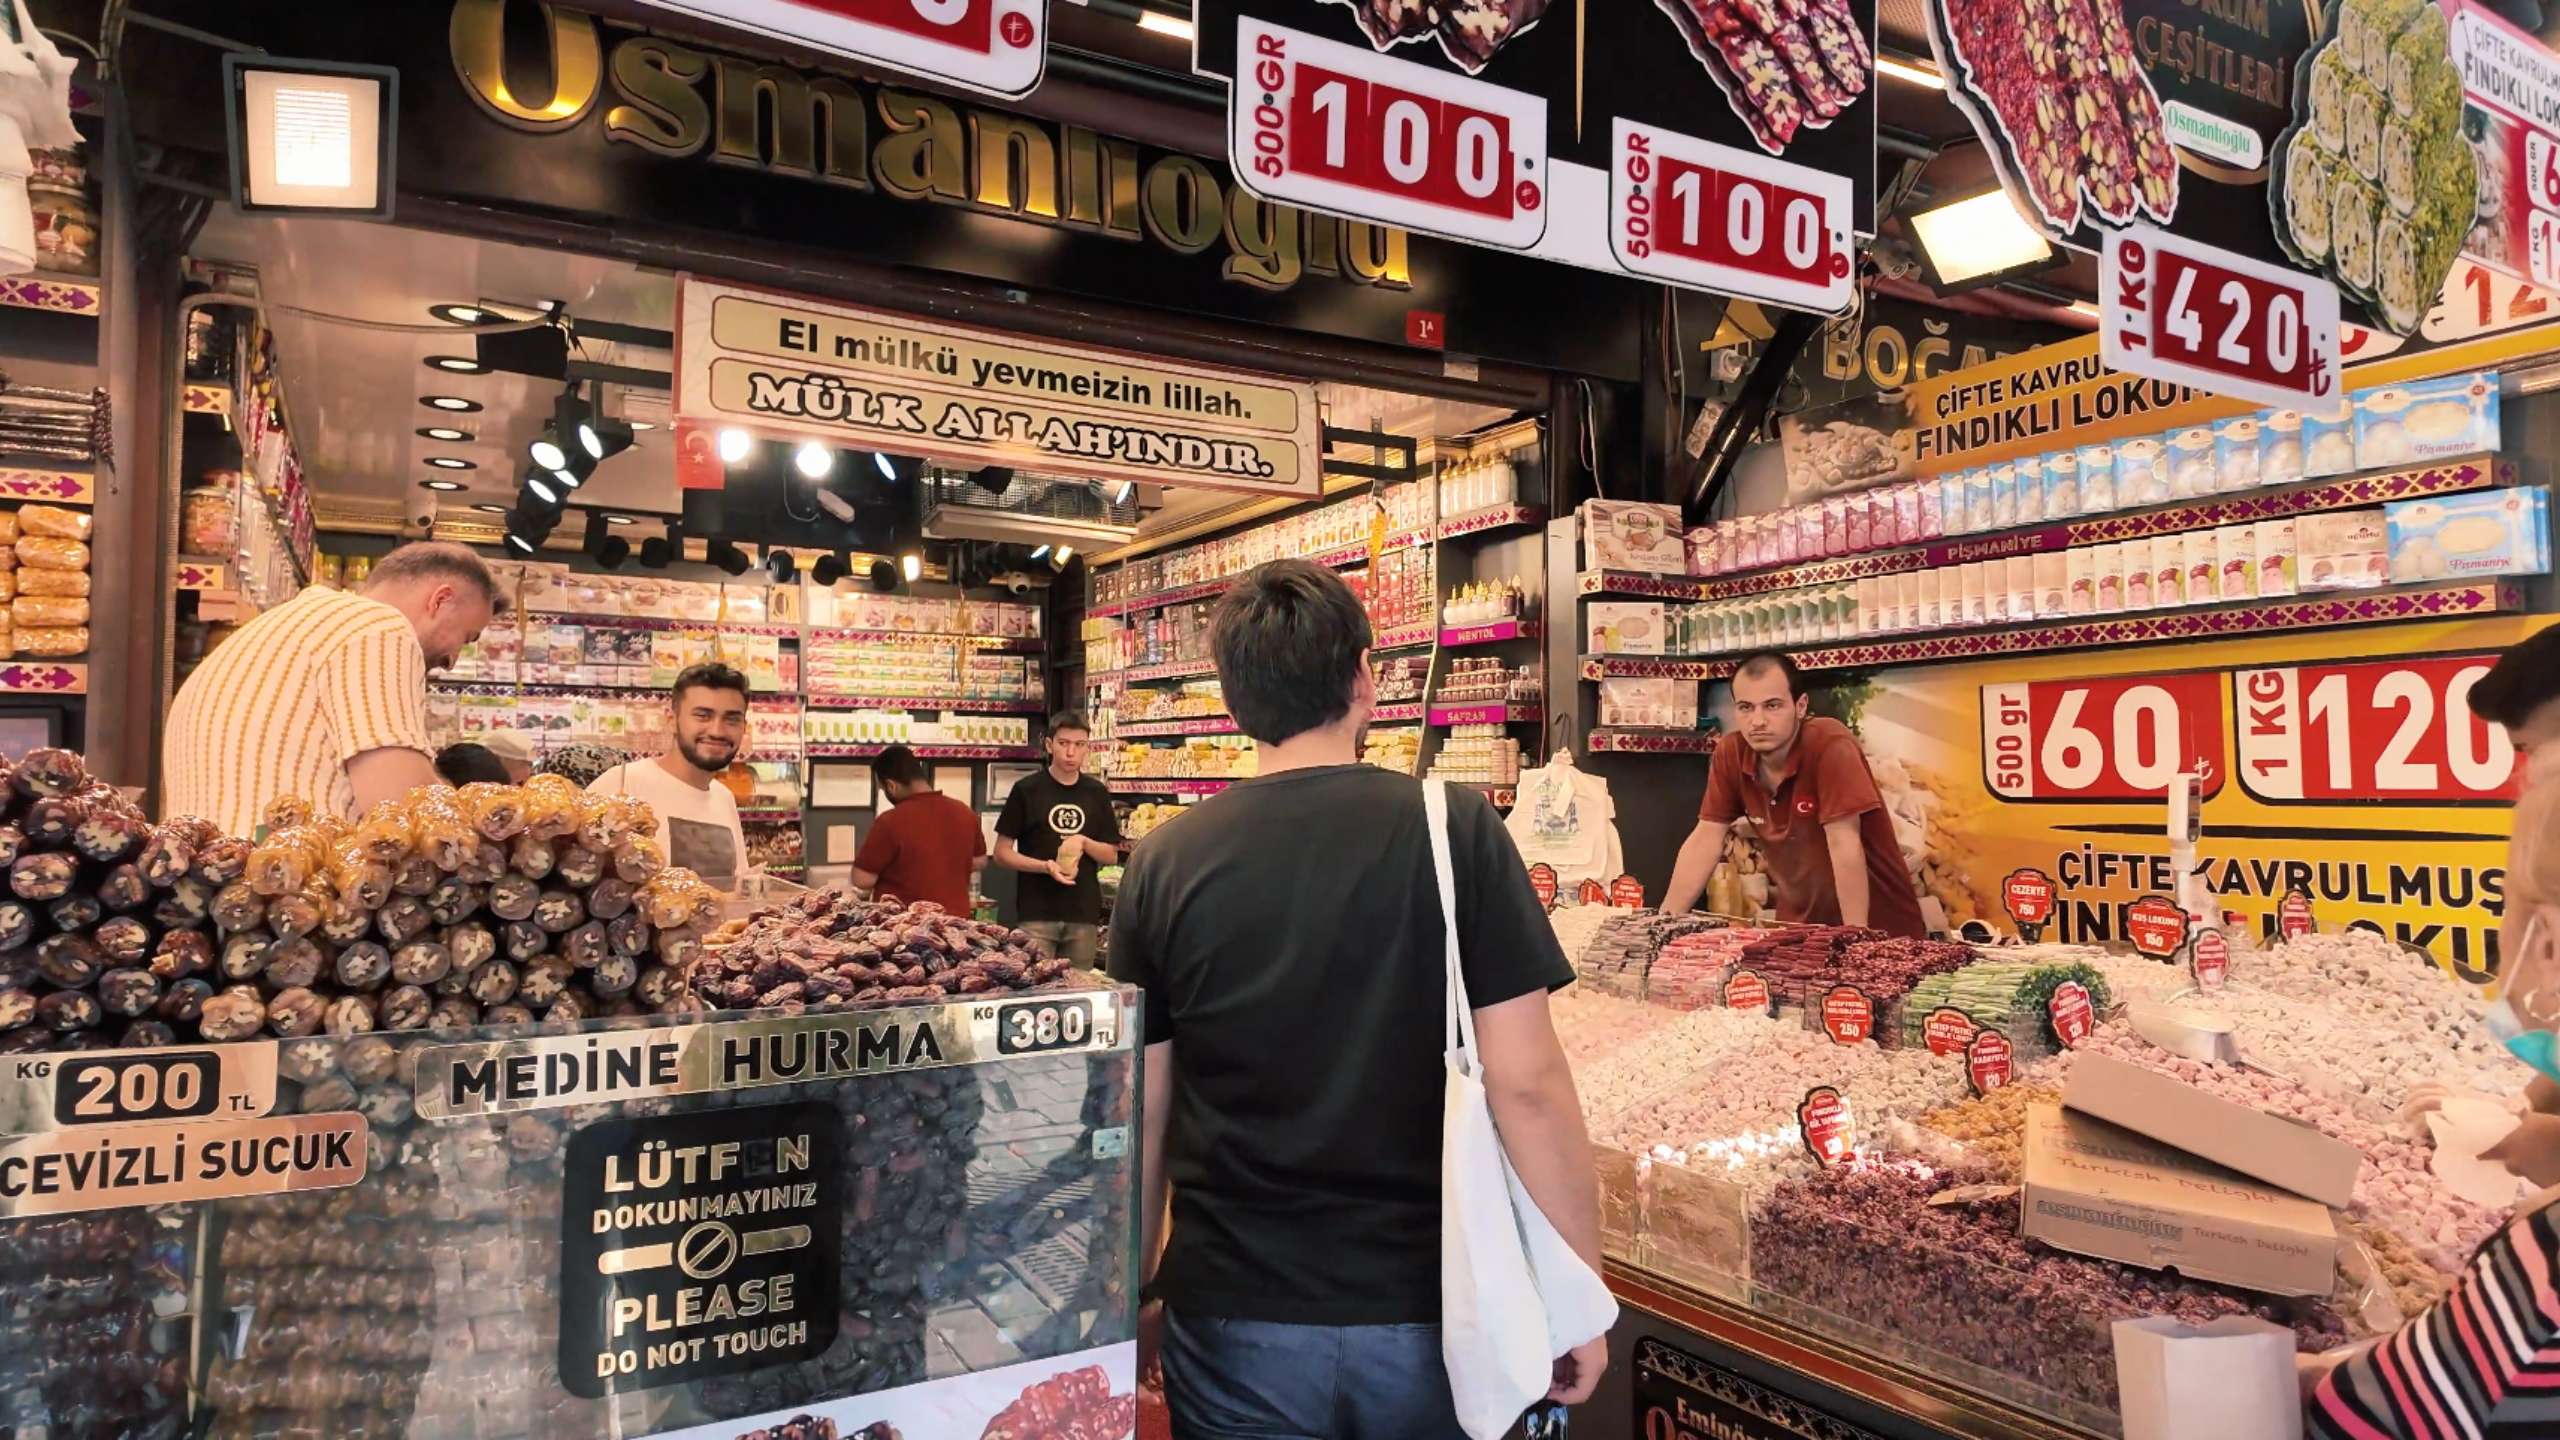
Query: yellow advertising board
2346	765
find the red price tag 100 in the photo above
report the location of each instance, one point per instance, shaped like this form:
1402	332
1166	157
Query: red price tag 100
1343	129
995	46
2198	315
1693	212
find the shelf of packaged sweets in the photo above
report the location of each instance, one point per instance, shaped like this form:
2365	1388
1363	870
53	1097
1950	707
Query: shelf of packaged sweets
2307	497
2331	609
921	639
1170	785
967	705
834	750
1337	559
661	622
765	815
1646	667
1491	632
1619	741
1483	712
1500	517
1187	725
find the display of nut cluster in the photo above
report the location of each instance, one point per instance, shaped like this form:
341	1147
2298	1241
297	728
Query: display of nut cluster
86	1282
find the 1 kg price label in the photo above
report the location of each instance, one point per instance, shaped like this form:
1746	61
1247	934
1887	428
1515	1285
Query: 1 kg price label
46	1093
2202	316
1034	1027
1343	129
1693	212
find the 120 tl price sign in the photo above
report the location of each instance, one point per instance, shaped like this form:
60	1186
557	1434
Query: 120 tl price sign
2388	730
2120	738
1342	129
2197	315
1693	212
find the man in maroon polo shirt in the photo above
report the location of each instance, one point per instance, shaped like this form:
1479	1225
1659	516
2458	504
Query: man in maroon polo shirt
924	845
1824	833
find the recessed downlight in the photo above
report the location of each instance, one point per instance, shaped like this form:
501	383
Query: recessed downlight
452	462
463	314
447	486
454	403
456	364
445	433
490	509
620	520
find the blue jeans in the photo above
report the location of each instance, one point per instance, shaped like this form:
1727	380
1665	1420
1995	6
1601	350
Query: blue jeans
1259	1380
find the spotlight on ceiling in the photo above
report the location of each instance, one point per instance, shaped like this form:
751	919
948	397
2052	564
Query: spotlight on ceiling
463	314
613	553
456	364
1127	492
813	460
1979	240
782	565
884	576
454	403
911	565
656	551
729	558
490	509
735	445
1041	551
830	568
605	437
447	486
445	433
545	489
994	479
619	520
1062	557
519	544
898	468
452	462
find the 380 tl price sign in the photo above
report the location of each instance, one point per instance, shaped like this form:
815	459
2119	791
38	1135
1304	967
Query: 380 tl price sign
1697	213
2118	738
2198	315
2388	730
1338	128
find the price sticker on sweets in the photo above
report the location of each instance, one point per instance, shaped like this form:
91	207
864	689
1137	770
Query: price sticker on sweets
1947	1030
1591	892
2209	957
995	46
1989	1061
1542	883
1848	1016
1627	893
1693	212
2194	314
1745	990
1828	1128
1343	129
2074	1017
2157	926
2293	915
2027	894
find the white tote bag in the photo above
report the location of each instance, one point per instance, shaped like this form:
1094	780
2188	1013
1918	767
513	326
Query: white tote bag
1513	1294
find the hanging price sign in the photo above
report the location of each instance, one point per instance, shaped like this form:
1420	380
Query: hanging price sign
2293	915
1848	1016
2074	1017
1627	893
995	46
2210	959
1745	990
1829	1129
2156	925
1989	1061
2198	315
1344	129
1693	212
1947	1030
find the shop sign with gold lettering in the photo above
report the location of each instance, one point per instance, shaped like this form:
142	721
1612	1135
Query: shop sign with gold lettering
973	397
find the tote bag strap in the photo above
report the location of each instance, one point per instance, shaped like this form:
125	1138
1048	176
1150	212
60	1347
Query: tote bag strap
1461	1027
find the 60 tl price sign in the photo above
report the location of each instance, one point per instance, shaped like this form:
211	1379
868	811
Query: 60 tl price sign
1341	129
1696	213
2114	738
2197	315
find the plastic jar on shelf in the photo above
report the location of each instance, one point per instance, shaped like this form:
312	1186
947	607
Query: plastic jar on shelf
209	516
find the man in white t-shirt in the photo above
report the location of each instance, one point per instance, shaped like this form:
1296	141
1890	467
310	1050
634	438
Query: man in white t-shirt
697	816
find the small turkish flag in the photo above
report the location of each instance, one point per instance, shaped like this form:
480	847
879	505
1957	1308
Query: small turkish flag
698	464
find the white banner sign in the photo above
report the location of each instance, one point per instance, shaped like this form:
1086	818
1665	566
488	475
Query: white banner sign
998	47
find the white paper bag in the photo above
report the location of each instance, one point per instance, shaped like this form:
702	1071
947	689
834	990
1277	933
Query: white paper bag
2230	1380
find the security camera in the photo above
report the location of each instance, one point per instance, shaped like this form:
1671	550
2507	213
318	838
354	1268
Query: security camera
1013	582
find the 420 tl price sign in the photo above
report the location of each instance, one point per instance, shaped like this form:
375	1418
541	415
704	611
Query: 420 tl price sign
2176	310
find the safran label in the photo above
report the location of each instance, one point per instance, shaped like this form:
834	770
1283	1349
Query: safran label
115	1167
698	1245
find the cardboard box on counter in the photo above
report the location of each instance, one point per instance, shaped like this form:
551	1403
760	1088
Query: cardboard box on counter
2099	1189
2266	1147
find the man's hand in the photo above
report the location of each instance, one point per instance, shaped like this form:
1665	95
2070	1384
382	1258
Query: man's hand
2531	1150
1578	1371
1062	872
1151	1346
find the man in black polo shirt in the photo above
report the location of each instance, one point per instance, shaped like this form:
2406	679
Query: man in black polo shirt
1291	948
1056	831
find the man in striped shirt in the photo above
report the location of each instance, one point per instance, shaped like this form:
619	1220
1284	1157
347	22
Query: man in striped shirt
325	696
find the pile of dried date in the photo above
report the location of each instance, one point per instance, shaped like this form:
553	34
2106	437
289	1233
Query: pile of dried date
832	950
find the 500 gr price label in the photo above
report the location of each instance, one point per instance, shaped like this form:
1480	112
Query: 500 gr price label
41	1093
1034	1027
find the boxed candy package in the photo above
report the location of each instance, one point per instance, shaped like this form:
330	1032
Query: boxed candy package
2426	420
1650	704
1623	627
1633	535
2342	550
2487	532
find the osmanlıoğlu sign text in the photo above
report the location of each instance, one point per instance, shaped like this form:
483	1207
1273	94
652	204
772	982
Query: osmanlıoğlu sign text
975	397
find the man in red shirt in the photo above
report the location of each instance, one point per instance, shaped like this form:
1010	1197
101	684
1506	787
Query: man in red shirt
1824	833
924	845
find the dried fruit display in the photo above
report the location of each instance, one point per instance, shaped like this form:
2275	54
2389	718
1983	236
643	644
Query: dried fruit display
86	1283
1471	32
832	950
1072	1405
2077	125
819	1427
1783	65
2374	183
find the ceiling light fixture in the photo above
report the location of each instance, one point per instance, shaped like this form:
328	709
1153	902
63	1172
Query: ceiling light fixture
813	460
456	365
729	557
912	564
1064	554
310	136
888	468
519	544
490	509
641	424
544	489
452	462
1976	241
449	402
620	520
1039	552
782	565
656	551
830	568
1127	492
613	552
1173	25
446	486
994	479
569	479
735	445
446	433
546	451
884	576
462	314
1911	72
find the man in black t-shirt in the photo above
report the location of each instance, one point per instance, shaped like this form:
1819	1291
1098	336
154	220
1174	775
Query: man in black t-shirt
1291	949
1057	829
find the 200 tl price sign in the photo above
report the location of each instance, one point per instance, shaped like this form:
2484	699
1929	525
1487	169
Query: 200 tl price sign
1693	212
1338	128
2389	730
995	46
2176	310
2123	738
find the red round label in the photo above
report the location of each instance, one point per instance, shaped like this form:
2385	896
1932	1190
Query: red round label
1746	991
1829	1129
1627	892
1947	1030
1016	30
1592	892
1989	1061
2028	896
2293	917
2210	958
1542	882
1848	1015
2073	1016
2156	925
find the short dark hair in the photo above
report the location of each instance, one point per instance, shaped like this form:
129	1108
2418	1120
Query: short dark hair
466	763
434	560
1288	640
899	764
1761	662
708	676
2524	677
1070	720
